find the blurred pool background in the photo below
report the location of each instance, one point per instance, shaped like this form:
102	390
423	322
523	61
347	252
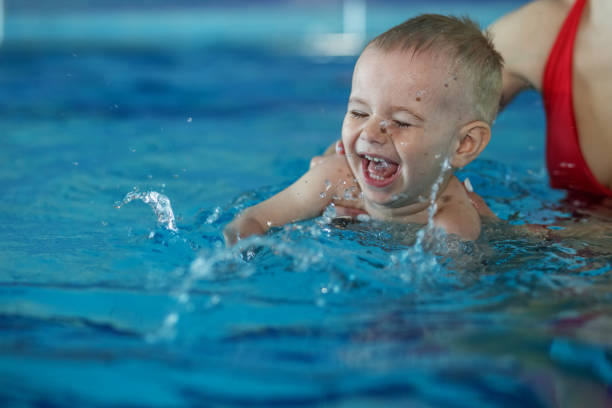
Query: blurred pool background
218	105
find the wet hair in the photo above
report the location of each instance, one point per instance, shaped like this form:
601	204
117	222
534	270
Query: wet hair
469	51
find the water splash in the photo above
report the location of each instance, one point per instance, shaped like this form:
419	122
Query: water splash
421	257
233	263
427	234
158	202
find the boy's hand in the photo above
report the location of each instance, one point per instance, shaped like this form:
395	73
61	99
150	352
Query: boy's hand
241	228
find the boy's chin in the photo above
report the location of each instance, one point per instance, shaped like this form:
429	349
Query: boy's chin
380	199
392	200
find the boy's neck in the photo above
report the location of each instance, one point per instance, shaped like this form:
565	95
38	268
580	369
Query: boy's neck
411	212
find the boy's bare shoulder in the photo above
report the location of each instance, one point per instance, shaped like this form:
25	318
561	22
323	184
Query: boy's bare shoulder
456	213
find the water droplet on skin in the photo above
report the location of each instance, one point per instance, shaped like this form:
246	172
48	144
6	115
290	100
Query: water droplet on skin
438	155
363	217
269	223
322	195
327	185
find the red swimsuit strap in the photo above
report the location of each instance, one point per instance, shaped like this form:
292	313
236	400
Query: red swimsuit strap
566	165
562	53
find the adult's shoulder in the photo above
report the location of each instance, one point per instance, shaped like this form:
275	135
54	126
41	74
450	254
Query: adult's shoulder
525	36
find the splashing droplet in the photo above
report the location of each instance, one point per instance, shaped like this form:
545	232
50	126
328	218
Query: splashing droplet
158	202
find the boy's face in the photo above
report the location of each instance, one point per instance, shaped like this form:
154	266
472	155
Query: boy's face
403	113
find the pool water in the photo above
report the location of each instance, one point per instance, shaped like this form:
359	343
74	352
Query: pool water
107	306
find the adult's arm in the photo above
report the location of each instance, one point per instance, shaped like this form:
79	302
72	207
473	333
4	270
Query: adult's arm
524	38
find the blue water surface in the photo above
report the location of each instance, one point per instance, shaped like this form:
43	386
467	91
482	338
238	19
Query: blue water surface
106	306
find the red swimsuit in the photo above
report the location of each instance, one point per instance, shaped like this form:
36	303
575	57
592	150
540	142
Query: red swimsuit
566	165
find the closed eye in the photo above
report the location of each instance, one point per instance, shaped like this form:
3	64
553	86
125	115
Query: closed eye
359	114
401	124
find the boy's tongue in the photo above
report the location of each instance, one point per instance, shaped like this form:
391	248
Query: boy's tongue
382	168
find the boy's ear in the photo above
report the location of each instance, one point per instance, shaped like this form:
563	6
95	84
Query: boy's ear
473	138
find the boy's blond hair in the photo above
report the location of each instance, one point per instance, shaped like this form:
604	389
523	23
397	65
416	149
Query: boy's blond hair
461	41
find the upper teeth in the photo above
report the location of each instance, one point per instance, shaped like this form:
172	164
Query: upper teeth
374	159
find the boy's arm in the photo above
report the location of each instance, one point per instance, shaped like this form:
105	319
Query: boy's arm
306	198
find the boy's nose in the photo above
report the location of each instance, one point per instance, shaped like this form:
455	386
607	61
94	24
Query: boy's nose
376	130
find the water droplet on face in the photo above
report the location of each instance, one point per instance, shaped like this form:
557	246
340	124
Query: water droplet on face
322	195
327	185
363	217
438	155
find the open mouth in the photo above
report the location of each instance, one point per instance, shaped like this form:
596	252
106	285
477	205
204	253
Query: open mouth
378	171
